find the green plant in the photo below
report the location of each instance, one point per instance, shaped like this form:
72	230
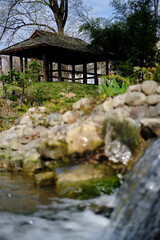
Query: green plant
156	72
143	73
23	79
113	87
21	109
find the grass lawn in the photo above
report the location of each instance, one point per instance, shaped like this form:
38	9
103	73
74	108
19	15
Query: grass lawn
56	96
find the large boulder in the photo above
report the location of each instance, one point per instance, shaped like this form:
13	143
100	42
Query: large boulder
83	137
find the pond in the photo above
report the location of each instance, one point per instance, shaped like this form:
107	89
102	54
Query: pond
30	212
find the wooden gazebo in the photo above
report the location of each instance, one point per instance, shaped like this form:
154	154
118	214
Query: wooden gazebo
54	48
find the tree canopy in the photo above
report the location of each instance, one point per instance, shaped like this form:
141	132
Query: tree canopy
131	37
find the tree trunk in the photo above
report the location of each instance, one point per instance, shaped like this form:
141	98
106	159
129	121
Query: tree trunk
156	3
60	12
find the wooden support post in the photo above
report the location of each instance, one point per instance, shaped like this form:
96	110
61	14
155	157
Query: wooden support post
10	63
107	68
59	72
0	65
50	71
21	64
73	73
95	74
45	68
26	63
85	73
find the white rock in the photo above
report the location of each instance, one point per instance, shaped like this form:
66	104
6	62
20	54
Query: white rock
119	100
135	98
107	105
84	102
69	117
149	87
134	88
153	99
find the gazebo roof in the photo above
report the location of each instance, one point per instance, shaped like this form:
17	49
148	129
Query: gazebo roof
57	47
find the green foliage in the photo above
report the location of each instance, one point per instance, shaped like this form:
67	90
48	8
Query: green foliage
156	72
5	78
21	109
143	73
131	38
33	71
23	79
116	85
49	94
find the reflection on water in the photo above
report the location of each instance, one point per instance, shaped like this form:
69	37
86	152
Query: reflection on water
30	212
18	194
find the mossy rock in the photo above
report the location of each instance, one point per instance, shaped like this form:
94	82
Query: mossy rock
88	189
125	131
56	150
46	178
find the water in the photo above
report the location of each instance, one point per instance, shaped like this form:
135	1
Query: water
30	212
137	216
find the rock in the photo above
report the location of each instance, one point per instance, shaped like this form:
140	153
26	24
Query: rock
154	111
139	112
7	135
32	161
69	117
55	119
83	137
42	110
82	172
68	95
96	118
117	152
107	105
153	124
149	87
124	130
17	160
14	144
119	113
31	110
20	129
26	120
39	119
46	178
119	100
135	98
39	131
28	131
153	99
84	102
52	149
158	90
134	88
37	110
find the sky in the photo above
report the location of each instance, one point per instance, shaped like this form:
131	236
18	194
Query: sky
101	8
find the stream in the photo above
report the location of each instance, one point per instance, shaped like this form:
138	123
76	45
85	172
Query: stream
30	212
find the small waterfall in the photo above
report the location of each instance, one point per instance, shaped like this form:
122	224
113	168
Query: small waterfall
137	216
